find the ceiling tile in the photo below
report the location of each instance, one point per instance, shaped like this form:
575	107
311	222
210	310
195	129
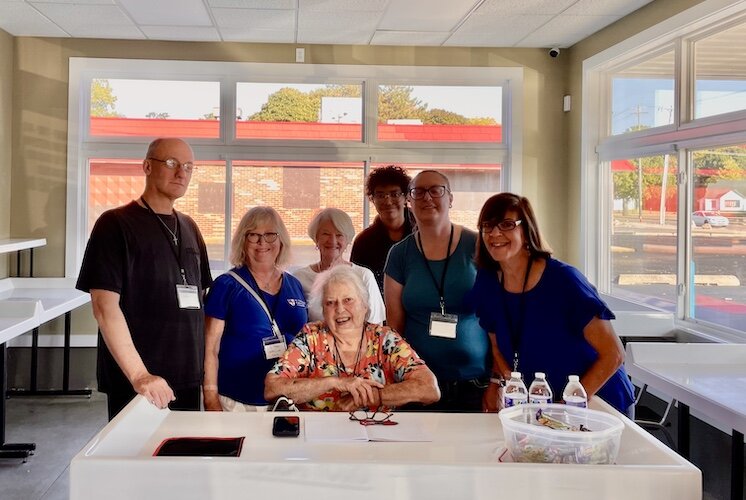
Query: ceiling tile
20	19
357	26
257	35
93	30
564	30
605	7
425	15
334	6
524	7
495	31
194	33
255	18
349	36
408	38
77	18
168	12
81	2
253	4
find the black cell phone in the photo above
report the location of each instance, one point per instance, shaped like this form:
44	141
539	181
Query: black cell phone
286	427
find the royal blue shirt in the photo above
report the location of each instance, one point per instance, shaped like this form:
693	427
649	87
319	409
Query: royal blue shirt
549	319
242	365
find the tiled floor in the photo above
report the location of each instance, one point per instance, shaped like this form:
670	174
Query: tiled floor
60	426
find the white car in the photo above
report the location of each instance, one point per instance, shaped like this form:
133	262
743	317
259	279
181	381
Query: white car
714	219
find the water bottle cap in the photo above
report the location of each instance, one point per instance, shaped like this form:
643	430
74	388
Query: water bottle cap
540	375
515	374
573	378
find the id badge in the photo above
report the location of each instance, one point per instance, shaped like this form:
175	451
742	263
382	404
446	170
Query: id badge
443	325
274	347
188	296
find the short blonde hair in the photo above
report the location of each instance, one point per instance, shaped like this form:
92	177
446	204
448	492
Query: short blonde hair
339	219
250	221
341	274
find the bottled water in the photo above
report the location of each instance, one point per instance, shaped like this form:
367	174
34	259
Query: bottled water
515	392
574	393
539	391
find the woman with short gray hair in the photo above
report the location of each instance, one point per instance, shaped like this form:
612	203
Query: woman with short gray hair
332	230
345	363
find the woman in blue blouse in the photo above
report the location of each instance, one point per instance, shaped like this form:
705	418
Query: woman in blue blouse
542	314
251	314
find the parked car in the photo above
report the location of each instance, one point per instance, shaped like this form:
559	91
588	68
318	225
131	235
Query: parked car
714	219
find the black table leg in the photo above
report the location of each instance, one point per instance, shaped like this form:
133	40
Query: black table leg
9	450
736	466
34	391
683	444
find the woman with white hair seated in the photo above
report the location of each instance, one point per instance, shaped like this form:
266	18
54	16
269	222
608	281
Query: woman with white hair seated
345	363
332	230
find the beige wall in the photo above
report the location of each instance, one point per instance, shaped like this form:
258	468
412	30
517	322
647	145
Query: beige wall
640	20
40	117
6	100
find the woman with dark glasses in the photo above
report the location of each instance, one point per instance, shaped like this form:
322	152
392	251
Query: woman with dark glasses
542	314
345	363
428	275
251	313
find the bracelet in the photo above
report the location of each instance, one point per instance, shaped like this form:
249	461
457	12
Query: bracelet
498	381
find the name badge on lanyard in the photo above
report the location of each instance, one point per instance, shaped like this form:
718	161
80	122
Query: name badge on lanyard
274	347
443	325
188	296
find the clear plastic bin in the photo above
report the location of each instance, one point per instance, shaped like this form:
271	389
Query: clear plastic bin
529	441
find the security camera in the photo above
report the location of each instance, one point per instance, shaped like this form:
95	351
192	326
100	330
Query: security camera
554	52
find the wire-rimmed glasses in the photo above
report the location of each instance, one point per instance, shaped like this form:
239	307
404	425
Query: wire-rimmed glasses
256	237
173	163
377	417
503	225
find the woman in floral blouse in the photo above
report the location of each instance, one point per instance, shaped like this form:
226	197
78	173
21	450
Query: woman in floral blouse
344	363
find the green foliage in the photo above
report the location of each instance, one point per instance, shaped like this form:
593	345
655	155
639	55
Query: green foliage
395	102
103	100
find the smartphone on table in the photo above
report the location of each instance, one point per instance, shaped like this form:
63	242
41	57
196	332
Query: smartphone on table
286	426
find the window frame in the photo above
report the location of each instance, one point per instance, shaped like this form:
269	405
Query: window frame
599	147
82	146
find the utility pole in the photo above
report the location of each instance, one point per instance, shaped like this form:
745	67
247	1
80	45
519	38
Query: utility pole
639	111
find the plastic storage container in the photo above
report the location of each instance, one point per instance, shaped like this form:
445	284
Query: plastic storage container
529	441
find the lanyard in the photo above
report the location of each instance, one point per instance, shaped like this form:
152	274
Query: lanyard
173	241
442	286
338	357
260	293
516	331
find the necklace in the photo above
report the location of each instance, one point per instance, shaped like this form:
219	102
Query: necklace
174	234
338	357
265	285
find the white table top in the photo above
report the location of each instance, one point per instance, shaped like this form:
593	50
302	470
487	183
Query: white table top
26	303
710	378
8	245
462	461
637	320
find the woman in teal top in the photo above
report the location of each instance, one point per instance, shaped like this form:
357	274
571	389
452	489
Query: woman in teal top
428	276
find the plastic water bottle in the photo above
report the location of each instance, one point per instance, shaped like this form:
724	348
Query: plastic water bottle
574	393
515	392
539	391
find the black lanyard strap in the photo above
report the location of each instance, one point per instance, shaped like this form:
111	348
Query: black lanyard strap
173	243
516	330
442	286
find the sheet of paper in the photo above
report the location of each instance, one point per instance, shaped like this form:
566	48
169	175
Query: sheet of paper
410	431
318	429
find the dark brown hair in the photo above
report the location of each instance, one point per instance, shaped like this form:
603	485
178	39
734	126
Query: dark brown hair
494	209
390	175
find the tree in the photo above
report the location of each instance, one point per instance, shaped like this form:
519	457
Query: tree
395	102
103	100
288	105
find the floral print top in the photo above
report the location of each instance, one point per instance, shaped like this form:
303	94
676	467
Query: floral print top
386	358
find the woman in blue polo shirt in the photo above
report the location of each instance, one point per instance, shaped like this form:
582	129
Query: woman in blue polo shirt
251	313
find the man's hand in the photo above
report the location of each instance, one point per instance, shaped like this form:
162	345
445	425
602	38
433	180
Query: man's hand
155	389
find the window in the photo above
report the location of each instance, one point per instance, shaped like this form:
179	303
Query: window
666	214
295	137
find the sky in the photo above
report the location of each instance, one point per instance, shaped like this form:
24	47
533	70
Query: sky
191	100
